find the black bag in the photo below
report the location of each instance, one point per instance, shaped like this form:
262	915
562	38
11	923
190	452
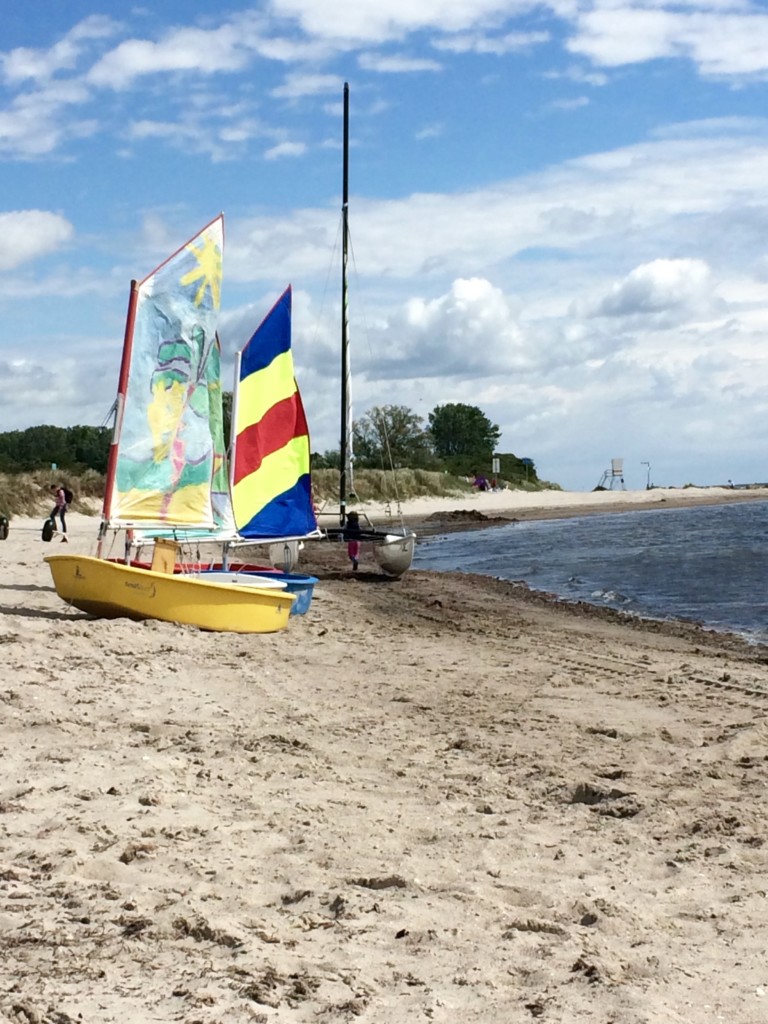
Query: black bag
3	527
68	495
47	530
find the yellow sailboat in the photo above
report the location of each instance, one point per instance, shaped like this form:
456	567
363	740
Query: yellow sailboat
115	590
164	466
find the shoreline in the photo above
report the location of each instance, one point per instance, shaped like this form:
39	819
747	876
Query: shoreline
508	506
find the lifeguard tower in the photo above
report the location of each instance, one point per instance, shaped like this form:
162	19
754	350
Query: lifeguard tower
613	477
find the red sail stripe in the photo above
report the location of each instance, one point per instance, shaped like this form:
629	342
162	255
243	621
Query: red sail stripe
279	425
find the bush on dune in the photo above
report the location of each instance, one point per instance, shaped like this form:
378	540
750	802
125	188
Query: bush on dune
29	494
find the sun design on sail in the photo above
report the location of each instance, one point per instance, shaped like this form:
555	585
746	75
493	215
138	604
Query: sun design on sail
208	270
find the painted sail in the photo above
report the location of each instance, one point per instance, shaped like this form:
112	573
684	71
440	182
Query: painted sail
271	491
170	384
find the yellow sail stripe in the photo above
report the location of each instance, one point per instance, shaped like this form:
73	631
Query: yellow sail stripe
261	390
189	506
278	472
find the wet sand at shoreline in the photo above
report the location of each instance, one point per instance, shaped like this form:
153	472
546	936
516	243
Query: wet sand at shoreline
441	797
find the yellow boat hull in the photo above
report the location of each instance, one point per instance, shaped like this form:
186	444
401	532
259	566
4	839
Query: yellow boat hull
113	590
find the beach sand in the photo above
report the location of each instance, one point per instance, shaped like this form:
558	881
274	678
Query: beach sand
437	798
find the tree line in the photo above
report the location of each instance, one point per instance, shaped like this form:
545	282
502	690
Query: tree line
456	438
73	449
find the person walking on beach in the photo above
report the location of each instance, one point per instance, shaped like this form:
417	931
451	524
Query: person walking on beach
352	535
59	509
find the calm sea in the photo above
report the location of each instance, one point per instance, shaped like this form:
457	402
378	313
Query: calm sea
707	565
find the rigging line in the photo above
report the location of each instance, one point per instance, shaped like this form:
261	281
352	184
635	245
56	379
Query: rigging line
109	416
332	263
384	431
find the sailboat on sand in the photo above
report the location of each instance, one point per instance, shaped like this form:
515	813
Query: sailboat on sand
164	468
392	548
270	486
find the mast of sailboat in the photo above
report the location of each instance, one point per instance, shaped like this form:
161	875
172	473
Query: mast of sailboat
344	443
119	407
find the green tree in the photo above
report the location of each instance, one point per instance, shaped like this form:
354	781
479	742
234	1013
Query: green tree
463	435
74	448
324	460
391	435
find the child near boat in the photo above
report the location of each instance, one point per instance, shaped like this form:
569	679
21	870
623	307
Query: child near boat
352	535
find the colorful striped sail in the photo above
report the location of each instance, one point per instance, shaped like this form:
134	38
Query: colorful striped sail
271	490
170	386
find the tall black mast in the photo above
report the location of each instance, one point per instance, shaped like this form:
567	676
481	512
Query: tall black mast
343	447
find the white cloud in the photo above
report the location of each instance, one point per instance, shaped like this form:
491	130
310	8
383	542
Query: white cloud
189	134
430	131
24	63
719	42
663	286
570	104
26	384
396	64
471	331
716	127
190	49
27	235
22	383
370	20
654	200
36	123
577	74
285	149
480	42
298	85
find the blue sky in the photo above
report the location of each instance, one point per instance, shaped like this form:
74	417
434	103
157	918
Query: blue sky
559	211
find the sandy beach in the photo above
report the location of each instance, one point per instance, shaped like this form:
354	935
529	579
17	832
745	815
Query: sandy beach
437	798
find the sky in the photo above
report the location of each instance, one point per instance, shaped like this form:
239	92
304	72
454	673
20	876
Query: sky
558	211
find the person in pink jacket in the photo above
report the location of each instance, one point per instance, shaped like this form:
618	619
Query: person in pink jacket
59	509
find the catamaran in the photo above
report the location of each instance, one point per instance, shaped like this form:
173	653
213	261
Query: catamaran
392	548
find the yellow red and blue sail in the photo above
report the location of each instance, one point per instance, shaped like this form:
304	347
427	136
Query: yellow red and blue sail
271	487
170	393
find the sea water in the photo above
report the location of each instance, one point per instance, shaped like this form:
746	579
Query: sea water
706	564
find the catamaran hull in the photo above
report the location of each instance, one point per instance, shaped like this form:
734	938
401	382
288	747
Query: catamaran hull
394	553
115	590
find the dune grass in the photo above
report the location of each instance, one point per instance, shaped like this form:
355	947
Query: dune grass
28	494
375	485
